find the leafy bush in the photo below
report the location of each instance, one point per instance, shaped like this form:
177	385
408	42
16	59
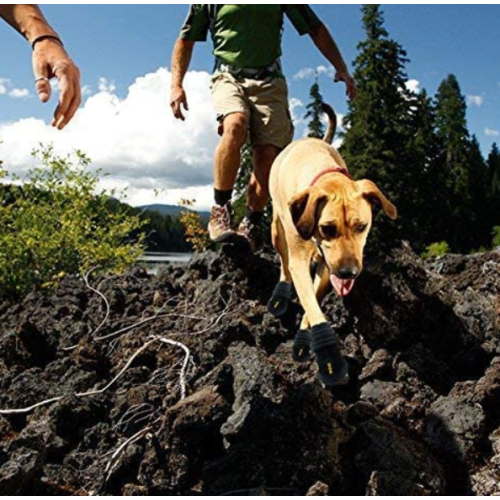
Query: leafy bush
436	250
194	231
496	236
58	221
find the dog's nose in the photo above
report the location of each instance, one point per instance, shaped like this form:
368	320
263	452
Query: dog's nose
348	272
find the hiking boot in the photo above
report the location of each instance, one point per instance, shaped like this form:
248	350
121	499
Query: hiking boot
219	226
250	232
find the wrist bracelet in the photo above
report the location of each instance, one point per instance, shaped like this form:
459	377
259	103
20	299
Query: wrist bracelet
46	37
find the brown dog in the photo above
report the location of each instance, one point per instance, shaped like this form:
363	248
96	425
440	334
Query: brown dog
319	214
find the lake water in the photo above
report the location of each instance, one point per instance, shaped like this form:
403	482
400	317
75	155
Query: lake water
155	262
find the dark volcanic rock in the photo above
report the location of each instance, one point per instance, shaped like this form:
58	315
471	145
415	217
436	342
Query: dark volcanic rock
395	463
420	415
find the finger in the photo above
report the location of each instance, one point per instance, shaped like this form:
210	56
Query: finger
43	90
40	69
67	94
73	108
185	103
176	108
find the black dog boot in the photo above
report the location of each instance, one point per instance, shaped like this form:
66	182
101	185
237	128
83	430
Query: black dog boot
302	346
278	304
332	367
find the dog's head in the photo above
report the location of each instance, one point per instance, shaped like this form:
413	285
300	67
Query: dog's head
339	214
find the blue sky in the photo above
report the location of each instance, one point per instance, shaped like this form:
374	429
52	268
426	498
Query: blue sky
123	42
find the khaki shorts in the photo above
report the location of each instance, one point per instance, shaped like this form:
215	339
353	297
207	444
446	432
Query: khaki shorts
264	102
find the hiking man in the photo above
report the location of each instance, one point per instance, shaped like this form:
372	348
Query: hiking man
250	94
49	59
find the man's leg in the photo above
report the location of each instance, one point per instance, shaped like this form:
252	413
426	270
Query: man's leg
258	193
258	190
228	153
226	165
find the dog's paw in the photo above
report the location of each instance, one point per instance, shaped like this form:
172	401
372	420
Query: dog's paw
333	369
302	346
278	305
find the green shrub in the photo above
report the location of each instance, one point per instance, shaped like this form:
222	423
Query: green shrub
436	250
58	222
496	237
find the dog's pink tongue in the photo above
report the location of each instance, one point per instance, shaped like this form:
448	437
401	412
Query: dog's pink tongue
342	287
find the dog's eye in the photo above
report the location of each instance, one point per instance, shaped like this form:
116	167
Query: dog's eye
329	231
360	228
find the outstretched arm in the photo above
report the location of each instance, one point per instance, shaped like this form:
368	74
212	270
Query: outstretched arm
49	59
323	39
181	57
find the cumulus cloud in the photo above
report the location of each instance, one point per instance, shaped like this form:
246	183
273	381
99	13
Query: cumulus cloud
475	100
491	132
9	89
134	139
3	86
308	73
19	93
297	111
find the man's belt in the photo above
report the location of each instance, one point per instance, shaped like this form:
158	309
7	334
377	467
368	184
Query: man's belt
273	69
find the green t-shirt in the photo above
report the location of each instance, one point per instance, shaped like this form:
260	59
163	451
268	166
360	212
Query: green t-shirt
246	36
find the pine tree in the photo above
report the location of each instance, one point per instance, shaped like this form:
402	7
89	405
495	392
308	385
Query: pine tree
480	233
378	121
455	149
314	112
423	174
493	186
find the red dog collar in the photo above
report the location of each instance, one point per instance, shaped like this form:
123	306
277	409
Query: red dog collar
333	170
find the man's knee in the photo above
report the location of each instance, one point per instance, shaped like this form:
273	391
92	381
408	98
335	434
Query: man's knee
235	127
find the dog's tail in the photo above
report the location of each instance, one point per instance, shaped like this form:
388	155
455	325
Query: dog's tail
332	123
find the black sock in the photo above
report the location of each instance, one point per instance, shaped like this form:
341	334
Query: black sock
253	217
222	198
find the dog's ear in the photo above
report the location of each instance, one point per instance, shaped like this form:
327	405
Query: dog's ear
305	208
372	193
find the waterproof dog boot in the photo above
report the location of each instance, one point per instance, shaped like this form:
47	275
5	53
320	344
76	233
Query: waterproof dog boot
332	367
278	304
302	346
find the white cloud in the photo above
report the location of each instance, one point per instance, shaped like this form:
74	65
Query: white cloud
475	100
4	82
490	132
135	139
296	111
8	88
308	73
19	93
413	86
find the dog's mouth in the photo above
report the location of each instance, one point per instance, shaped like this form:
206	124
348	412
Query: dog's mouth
342	287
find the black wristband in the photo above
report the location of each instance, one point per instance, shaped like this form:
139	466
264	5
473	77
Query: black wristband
46	37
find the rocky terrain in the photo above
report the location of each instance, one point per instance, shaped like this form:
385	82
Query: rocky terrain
186	384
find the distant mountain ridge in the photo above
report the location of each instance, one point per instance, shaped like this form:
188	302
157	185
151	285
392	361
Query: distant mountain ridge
172	210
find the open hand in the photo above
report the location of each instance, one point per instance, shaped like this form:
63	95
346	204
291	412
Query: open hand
344	76
178	100
50	60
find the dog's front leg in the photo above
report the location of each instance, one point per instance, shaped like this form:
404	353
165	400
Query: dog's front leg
300	261
321	286
332	367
